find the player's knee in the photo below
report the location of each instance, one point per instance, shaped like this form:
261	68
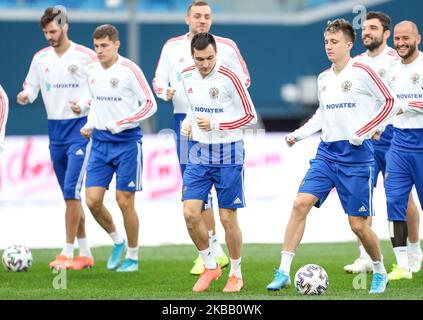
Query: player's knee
228	220
358	227
300	208
94	204
192	216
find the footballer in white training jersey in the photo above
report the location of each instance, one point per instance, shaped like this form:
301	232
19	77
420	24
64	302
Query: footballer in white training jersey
404	160
121	99
58	71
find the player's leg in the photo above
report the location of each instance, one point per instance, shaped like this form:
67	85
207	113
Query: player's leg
313	191
216	247
197	185
398	184
415	255
99	174
355	190
229	185
182	149
126	202
78	154
363	263
128	161
60	162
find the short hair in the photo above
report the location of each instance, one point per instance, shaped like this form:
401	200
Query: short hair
341	25
202	40
57	13
384	19
106	30
198	3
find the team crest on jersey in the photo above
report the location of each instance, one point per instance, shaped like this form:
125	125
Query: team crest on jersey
72	69
382	73
114	82
214	93
346	86
415	78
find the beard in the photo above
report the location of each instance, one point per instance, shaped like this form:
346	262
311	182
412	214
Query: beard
374	44
411	50
58	42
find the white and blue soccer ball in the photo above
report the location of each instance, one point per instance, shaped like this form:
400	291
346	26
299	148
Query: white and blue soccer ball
17	258
311	279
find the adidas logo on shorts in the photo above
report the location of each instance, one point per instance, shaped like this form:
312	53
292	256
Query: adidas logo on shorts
237	201
80	152
362	209
131	184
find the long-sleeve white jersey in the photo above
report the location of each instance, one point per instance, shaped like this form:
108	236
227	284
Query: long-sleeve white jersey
220	96
121	99
381	64
176	57
61	80
4	111
344	114
406	80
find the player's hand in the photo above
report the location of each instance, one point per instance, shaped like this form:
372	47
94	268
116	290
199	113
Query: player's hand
204	123
290	140
86	132
186	130
376	135
170	92
22	98
75	107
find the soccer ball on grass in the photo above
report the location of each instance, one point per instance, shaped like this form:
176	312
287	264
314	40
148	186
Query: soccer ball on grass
17	258
311	279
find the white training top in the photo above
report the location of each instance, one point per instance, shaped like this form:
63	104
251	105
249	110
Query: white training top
176	57
380	64
60	80
344	115
121	97
406	81
221	96
4	110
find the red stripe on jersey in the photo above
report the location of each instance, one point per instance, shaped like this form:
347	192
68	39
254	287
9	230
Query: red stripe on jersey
238	53
415	104
144	87
386	109
244	100
138	115
188	69
238	86
41	51
87	51
175	39
158	62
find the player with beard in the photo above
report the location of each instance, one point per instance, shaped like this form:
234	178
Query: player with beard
404	160
375	33
58	71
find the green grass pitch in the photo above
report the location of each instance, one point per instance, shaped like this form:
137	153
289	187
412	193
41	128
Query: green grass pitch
164	274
